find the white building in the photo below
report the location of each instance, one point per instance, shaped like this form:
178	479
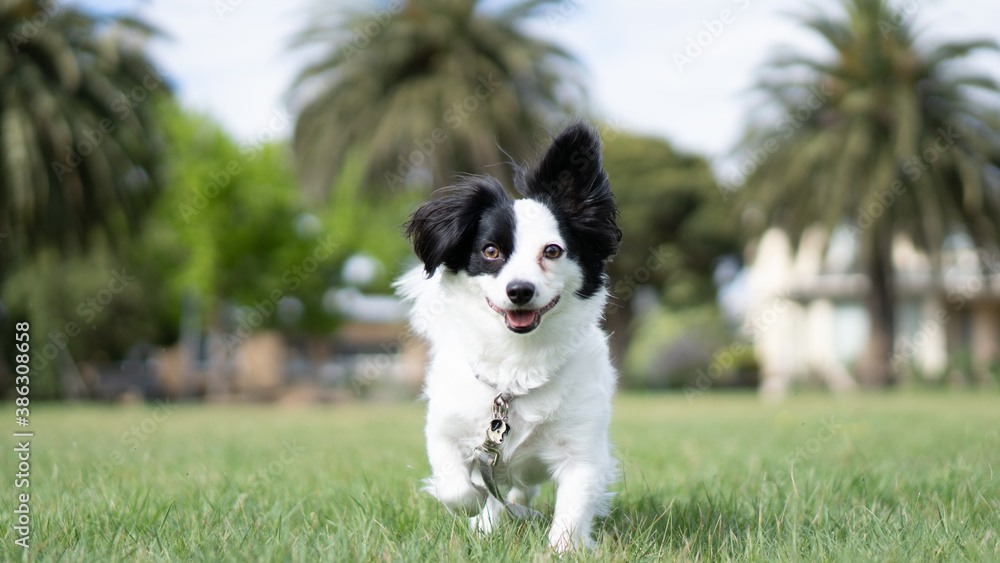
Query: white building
805	310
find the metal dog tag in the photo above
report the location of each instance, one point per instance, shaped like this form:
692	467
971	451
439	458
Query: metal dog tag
497	431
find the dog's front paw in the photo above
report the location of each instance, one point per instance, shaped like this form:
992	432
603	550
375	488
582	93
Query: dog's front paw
564	539
485	522
460	497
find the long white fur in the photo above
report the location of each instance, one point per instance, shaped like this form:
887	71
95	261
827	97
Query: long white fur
560	372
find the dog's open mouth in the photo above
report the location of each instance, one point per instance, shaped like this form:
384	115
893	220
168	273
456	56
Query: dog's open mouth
523	320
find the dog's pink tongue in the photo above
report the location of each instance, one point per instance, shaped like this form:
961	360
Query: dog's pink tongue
520	319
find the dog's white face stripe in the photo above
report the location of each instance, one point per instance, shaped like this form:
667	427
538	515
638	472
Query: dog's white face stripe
536	229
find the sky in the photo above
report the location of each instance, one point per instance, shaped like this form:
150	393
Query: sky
680	70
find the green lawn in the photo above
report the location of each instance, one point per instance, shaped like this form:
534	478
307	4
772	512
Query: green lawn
888	477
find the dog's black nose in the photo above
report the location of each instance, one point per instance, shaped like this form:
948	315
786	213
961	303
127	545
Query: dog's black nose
520	292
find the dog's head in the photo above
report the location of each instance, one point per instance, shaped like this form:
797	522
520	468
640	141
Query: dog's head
531	255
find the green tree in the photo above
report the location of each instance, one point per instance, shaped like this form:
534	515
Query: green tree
886	136
675	226
80	147
238	218
94	307
246	233
424	88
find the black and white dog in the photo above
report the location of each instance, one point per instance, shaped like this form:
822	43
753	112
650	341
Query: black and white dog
510	297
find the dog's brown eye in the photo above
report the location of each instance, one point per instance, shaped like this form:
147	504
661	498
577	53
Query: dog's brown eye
553	251
491	252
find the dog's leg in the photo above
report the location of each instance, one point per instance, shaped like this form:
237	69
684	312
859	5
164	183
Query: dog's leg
450	481
579	493
523	497
489	517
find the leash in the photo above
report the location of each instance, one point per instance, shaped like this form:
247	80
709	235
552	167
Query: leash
488	454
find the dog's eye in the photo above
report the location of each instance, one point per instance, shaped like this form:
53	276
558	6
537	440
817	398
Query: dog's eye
491	252
553	251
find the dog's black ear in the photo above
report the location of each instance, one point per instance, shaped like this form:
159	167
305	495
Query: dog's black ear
442	230
570	180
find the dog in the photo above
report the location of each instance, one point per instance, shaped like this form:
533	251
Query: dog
510	297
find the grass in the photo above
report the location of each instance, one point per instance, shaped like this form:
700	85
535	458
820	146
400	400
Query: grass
871	477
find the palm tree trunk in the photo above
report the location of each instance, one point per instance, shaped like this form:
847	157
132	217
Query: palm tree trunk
876	368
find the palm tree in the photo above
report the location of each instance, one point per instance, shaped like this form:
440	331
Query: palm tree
422	89
888	136
79	145
79	151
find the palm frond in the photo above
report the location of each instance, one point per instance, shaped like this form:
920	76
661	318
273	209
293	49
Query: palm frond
890	104
446	70
80	151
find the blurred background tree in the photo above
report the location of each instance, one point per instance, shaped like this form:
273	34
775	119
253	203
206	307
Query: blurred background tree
675	227
81	147
424	89
883	109
81	150
245	225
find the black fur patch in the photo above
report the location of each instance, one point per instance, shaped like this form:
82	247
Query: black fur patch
453	228
570	181
496	226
